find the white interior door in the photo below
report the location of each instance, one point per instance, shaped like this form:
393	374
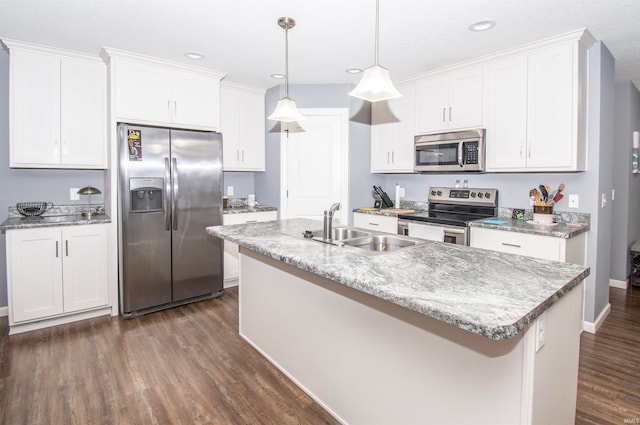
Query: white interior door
314	166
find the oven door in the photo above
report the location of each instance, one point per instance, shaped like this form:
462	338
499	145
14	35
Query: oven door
434	232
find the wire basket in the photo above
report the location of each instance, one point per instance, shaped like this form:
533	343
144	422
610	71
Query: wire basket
33	209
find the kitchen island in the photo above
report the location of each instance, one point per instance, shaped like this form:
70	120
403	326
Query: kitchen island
435	333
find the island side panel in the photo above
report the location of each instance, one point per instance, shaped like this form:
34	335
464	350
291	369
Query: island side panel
368	361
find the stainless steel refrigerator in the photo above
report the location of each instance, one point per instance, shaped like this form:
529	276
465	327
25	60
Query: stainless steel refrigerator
170	190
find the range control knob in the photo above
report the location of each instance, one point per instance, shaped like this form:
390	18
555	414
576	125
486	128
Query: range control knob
439	193
473	194
487	195
433	193
479	194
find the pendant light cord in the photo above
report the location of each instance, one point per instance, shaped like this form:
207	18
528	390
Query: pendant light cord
286	59
377	29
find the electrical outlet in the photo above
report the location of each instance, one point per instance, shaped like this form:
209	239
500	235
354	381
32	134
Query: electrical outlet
73	194
574	201
604	200
540	332
230	190
402	192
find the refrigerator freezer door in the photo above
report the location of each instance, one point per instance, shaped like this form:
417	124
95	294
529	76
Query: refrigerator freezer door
197	203
145	244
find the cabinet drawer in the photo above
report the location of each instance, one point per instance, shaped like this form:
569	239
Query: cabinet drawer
378	223
251	217
545	247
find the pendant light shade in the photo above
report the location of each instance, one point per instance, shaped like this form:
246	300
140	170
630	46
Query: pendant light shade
375	84
286	110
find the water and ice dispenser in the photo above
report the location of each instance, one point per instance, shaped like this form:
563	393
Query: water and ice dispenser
146	194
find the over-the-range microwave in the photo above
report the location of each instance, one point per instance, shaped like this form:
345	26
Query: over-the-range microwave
456	151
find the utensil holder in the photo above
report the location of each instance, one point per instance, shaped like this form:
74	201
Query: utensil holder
543	214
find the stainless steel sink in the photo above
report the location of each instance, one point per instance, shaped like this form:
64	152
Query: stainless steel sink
381	243
342	233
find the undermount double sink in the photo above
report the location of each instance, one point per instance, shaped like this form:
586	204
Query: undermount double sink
367	241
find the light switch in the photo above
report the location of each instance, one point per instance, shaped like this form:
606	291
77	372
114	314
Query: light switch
230	190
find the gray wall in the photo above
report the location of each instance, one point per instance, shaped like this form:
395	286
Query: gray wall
20	185
267	184
242	183
627	185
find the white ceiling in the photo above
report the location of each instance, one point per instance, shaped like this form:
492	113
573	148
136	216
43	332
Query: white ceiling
242	38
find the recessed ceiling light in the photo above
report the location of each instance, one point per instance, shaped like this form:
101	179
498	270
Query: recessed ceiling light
194	55
354	70
483	25
277	76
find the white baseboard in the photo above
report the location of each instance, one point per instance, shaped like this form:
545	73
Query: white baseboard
622	284
230	283
592	327
4	311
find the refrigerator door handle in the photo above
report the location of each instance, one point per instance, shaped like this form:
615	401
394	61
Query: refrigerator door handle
174	199
167	195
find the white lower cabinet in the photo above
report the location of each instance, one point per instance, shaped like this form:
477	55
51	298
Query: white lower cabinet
231	249
378	223
56	271
571	250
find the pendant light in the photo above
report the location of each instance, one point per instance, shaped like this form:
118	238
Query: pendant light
375	84
286	110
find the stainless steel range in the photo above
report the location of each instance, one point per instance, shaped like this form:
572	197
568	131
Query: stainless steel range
450	211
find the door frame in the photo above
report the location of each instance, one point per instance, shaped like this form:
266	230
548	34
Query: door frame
343	113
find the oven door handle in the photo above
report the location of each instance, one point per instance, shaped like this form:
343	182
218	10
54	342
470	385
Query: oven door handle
460	153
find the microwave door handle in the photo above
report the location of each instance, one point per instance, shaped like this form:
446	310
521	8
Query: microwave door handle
460	153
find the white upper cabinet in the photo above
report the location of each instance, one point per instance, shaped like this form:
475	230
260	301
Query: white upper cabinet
243	128
535	107
392	132
155	92
449	101
58	107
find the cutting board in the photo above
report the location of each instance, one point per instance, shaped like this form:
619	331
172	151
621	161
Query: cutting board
397	211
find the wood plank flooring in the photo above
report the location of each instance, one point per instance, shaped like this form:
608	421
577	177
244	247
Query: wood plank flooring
609	375
188	365
185	365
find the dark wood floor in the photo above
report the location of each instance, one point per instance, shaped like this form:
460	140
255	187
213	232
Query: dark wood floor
188	365
609	377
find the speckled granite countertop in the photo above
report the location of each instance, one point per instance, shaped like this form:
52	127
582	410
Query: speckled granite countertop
245	209
49	221
558	230
488	293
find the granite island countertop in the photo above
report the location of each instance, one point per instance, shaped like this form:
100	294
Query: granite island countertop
488	293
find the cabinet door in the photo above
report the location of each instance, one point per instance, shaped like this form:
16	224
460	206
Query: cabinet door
385	119
34	274
506	113
552	110
35	109
465	99
84	250
243	130
432	103
83	113
195	100
143	92
392	133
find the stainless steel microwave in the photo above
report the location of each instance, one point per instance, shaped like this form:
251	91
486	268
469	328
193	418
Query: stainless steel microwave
456	151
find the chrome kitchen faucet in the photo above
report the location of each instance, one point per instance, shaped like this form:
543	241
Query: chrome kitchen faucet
328	219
